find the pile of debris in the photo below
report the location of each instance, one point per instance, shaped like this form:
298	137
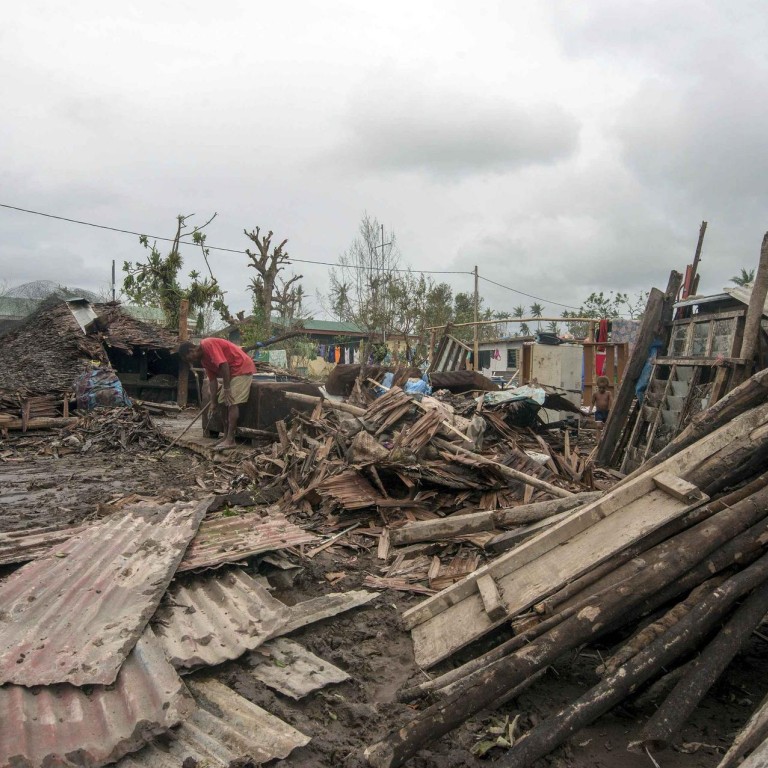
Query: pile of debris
409	462
670	566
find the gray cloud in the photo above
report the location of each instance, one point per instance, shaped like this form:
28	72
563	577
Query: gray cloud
453	134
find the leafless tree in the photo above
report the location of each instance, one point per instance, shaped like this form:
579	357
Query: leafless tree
268	261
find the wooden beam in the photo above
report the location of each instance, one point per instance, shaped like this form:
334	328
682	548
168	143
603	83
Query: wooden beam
182	392
486	520
491	597
677	487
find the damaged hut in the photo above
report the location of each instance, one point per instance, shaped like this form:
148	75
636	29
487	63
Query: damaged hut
58	342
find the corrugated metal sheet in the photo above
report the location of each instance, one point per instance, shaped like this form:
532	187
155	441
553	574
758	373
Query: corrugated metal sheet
319	608
292	670
63	725
212	619
23	546
229	539
349	489
75	614
219	540
224	729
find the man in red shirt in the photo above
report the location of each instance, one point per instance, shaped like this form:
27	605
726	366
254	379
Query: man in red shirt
223	360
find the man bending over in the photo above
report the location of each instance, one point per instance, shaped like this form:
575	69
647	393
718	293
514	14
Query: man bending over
223	360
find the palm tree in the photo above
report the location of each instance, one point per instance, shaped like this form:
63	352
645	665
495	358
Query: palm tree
524	329
553	327
537	311
518	311
745	278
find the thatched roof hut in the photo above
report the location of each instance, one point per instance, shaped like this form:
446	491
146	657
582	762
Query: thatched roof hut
50	349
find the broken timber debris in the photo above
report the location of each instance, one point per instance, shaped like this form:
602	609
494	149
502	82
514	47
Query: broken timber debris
691	542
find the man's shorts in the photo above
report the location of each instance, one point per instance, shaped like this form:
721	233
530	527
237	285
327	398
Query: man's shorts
241	389
601	415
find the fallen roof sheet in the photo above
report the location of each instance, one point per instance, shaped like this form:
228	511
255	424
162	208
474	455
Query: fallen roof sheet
227	539
225	728
75	614
63	725
292	670
212	619
219	540
349	489
23	546
323	607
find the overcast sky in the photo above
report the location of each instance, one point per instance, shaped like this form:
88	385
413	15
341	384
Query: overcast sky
563	147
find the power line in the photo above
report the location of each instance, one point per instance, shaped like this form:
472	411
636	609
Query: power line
217	247
292	260
529	295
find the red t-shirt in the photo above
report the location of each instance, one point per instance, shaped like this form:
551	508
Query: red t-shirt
218	351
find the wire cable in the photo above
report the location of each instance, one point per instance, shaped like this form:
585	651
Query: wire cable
529	295
220	248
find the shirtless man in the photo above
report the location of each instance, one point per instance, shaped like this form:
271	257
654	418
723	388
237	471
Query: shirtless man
602	401
223	360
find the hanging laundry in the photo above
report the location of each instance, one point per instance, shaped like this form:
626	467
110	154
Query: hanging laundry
336	354
321	351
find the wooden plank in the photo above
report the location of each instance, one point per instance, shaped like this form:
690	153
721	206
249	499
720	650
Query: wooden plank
449	620
531	550
447	632
506	541
491	597
692	361
677	487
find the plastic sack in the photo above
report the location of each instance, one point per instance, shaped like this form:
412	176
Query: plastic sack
100	388
417	387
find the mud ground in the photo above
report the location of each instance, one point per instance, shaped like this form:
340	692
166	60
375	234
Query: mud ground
36	489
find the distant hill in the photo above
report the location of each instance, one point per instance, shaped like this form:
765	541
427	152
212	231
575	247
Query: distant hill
42	289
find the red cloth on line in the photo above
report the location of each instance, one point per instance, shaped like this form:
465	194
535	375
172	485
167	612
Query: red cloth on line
218	351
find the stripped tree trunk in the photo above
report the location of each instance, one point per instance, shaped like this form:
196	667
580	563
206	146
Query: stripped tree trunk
664	650
481	689
704	672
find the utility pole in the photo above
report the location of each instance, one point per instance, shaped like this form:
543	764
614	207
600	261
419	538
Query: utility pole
383	330
476	351
113	279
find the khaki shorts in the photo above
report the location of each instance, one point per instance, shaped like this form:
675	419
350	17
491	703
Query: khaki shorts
241	389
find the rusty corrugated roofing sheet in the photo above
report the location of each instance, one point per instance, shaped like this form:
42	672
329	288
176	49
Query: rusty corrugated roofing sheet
219	540
229	539
349	489
211	619
23	546
323	607
75	614
226	728
63	725
290	668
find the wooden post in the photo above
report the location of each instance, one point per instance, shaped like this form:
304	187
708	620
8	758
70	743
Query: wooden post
182	392
476	337
658	307
751	339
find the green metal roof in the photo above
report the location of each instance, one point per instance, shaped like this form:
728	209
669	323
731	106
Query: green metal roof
332	325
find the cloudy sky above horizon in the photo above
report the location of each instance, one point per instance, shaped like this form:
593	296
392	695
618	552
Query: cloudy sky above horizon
562	147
